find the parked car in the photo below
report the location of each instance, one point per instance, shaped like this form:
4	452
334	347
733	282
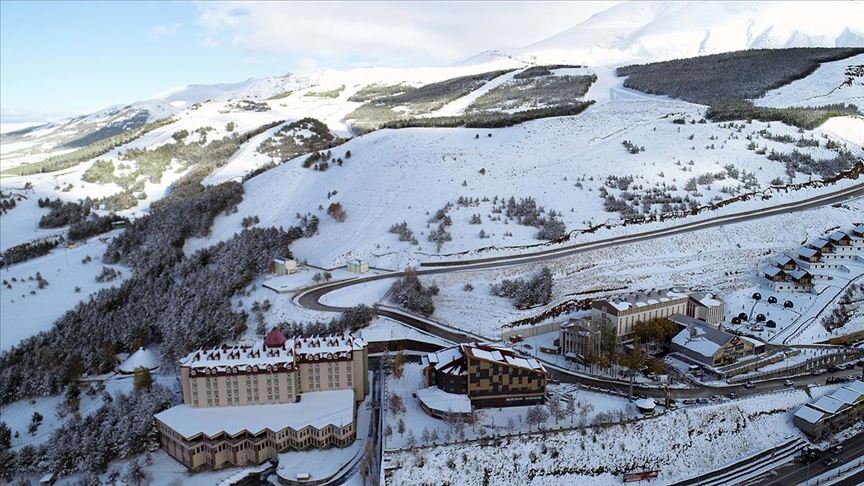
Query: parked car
850	377
832	368
841	367
689	401
749	385
788	383
837	449
830	461
772	300
732	396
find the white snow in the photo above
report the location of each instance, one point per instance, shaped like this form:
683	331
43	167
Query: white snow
317	409
145	358
823	87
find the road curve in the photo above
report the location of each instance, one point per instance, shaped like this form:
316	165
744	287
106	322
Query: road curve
310	298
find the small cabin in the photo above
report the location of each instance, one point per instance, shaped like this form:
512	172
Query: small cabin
284	266
358	266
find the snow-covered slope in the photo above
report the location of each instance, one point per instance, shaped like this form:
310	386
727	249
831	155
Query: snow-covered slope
834	82
653	31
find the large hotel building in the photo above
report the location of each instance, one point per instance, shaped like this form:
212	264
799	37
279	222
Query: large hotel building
244	404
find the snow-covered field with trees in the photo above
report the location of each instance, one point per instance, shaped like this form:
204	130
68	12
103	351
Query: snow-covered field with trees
211	182
679	444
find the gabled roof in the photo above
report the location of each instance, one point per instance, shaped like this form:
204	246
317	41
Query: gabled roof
808	252
820	244
316	409
828	404
856	386
847	396
784	260
773	271
838	236
809	414
706	340
798	274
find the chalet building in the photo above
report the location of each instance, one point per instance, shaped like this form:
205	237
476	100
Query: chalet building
810	255
858	231
244	404
832	413
798	280
785	263
709	345
490	376
625	311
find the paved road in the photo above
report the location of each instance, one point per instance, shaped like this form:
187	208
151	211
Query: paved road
310	299
797	473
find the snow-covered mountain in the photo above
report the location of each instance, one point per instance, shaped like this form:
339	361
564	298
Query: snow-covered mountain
652	31
252	88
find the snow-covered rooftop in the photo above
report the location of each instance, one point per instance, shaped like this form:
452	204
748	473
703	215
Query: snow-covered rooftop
452	359
437	399
828	404
772	271
808	252
705	340
706	299
145	358
641	299
809	414
317	409
274	350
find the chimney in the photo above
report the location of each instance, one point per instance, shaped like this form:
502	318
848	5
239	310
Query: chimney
692	328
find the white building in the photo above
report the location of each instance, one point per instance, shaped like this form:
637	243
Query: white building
358	266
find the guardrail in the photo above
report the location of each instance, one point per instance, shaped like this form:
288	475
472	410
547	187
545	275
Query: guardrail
835	473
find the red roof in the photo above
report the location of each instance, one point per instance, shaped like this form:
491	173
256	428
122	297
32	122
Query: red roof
275	339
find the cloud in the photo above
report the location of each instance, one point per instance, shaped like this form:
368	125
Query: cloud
163	30
384	33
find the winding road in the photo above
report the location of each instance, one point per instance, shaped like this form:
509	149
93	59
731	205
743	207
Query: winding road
310	298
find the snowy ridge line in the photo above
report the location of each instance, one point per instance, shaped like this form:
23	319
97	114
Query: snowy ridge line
723	474
851	191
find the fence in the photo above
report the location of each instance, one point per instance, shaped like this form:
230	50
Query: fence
803	367
531	331
835	473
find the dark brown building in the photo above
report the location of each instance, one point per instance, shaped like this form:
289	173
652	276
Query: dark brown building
491	376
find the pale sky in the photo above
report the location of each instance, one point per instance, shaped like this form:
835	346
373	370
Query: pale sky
61	58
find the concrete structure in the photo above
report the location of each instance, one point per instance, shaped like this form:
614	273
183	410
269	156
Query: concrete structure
284	266
833	412
269	378
491	376
623	312
706	307
709	345
358	266
575	341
